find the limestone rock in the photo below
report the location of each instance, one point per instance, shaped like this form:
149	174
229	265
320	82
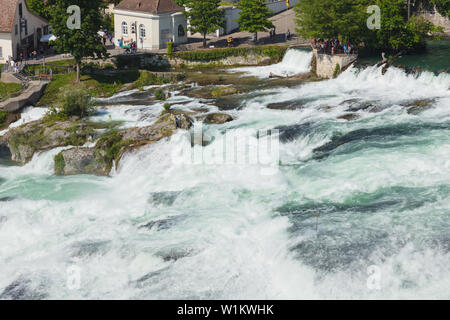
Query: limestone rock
80	161
23	142
217	118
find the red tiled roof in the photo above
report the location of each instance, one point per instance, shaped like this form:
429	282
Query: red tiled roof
149	6
7	14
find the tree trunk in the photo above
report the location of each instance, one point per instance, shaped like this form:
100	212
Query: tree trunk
78	72
204	40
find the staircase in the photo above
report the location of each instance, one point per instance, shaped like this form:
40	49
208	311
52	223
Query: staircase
22	76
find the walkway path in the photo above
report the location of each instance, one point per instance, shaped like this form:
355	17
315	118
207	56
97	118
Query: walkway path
30	96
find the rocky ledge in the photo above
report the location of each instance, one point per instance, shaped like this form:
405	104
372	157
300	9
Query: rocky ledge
110	148
20	144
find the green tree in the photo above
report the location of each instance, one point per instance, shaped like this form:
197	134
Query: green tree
83	42
254	16
443	6
37	6
204	16
347	20
396	32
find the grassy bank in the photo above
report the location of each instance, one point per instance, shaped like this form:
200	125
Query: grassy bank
101	85
60	66
9	90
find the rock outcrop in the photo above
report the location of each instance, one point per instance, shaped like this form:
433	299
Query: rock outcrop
217	118
23	142
111	146
80	160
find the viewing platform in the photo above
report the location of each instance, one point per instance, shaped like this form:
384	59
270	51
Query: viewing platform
326	65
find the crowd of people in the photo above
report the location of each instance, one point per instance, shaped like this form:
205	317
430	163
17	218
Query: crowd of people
334	46
106	35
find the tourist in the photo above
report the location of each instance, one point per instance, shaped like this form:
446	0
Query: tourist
288	35
345	48
13	64
270	34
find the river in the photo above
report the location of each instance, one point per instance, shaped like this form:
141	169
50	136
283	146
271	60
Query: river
352	209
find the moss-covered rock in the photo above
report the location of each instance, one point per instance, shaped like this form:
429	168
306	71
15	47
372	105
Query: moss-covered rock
23	142
110	147
224	91
81	161
217	118
418	106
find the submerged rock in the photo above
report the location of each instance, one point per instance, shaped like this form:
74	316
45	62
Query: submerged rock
23	289
163	224
287	105
6	199
290	133
174	254
418	106
164	198
217	118
349	116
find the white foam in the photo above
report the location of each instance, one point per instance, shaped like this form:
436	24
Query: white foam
294	62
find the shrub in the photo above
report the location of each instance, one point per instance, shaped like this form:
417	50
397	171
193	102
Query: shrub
3	117
159	94
111	143
77	102
167	107
337	70
53	115
170	49
60	164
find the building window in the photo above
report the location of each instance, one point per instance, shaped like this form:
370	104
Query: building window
1	52
142	31
16	29
181	32
124	28
20	10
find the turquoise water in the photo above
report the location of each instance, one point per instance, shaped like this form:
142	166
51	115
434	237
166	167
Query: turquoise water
353	210
435	58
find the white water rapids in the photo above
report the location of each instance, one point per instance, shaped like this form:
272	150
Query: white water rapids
376	198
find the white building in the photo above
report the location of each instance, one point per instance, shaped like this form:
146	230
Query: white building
20	29
156	21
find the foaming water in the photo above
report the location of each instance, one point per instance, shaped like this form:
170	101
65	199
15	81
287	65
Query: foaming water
347	198
29	114
294	62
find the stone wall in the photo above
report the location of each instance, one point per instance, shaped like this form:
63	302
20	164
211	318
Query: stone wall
249	60
325	64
